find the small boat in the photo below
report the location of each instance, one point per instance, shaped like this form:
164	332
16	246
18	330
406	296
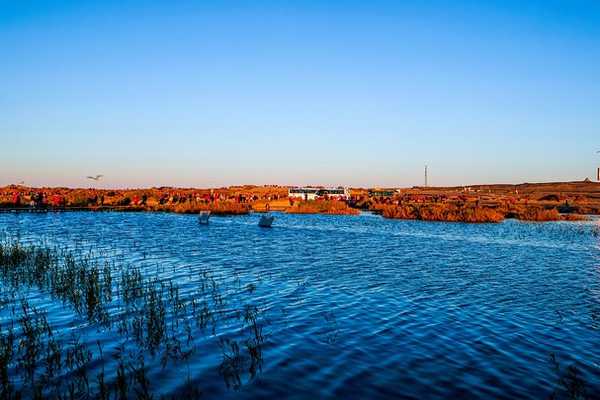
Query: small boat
203	217
266	221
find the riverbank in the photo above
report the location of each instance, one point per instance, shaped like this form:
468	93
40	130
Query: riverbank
479	203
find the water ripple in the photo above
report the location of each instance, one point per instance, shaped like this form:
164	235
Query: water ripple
358	306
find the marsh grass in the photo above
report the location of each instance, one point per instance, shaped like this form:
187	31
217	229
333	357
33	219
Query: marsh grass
447	212
7	340
103	389
333	207
77	282
148	311
217	208
538	214
472	212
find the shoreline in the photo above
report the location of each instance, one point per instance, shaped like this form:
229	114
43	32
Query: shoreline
458	215
550	201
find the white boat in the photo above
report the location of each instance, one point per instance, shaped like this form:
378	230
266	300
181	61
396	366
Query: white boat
266	221
203	217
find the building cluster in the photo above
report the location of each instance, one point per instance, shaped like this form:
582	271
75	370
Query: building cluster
317	193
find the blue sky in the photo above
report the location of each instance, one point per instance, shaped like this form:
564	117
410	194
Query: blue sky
355	93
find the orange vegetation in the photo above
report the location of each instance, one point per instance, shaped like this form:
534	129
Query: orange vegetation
482	203
220	208
561	201
539	214
322	207
272	205
233	200
574	217
473	212
533	213
442	212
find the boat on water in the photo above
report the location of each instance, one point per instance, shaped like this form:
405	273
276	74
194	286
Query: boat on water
266	221
203	217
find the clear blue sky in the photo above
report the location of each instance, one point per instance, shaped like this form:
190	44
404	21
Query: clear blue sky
203	93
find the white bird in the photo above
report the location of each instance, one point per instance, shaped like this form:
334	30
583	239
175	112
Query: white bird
95	178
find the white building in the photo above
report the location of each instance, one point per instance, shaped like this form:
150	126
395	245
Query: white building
314	193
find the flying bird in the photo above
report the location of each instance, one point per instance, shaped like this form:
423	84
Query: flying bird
95	178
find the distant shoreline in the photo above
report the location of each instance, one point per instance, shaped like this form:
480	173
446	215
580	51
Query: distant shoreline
548	201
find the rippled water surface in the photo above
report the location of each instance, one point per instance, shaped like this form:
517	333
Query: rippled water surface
359	306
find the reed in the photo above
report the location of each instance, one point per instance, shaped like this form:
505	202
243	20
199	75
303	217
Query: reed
255	341
533	213
218	208
121	386
442	212
538	213
151	314
103	389
332	207
139	369
33	326
574	217
77	359
232	365
78	282
155	312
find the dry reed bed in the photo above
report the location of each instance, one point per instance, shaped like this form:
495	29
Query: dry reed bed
472	213
219	208
144	198
332	207
442	212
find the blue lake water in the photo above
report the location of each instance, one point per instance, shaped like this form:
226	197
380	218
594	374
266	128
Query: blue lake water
357	306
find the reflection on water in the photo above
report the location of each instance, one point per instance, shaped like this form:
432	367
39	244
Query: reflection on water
339	307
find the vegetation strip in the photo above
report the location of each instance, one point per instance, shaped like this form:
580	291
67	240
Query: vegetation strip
149	313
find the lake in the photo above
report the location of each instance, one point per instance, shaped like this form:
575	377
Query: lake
330	306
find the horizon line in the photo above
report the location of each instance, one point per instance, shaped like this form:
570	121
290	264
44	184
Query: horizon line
587	181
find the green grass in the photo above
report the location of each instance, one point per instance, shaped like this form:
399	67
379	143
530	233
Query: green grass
148	311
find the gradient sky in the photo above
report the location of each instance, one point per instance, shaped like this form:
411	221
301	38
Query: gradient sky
360	93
